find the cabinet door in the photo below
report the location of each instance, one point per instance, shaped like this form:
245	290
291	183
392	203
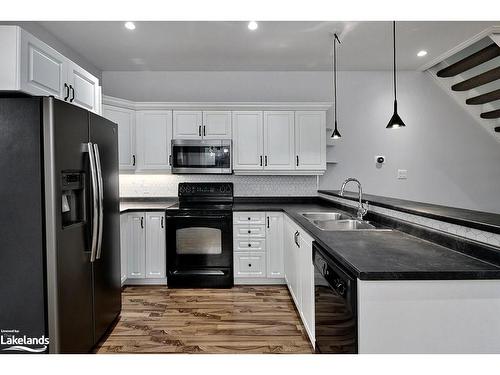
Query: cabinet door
274	241
187	125
310	140
248	144
155	245
306	274
84	88
278	140
124	232
43	69
125	118
290	260
216	125
154	135
136	246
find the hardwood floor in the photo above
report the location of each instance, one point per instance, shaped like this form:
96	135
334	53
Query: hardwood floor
244	319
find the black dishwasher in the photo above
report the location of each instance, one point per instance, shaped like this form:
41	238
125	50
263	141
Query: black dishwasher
335	306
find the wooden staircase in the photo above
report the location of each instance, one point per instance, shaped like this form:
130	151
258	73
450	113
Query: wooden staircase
472	76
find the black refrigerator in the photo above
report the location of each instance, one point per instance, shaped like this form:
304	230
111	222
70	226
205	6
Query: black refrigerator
59	226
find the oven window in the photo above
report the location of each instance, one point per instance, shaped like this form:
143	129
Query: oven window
201	156
198	240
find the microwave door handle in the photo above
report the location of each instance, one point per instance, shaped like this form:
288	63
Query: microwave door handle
101	200
95	213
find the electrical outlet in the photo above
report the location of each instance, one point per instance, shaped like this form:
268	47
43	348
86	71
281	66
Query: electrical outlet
402	174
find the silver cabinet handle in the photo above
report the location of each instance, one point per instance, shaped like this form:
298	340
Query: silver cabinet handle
162	221
142	222
204	130
95	212
100	186
199	130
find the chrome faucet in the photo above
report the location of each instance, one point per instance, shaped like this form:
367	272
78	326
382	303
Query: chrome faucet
362	210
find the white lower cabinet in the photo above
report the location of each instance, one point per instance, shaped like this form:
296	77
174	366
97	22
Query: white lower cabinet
143	234
155	245
274	240
258	247
299	273
136	257
123	247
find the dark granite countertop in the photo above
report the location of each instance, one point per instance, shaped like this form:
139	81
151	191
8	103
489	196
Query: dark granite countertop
383	255
369	255
486	221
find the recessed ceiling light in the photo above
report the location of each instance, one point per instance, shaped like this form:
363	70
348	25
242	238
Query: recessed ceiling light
422	53
252	25
130	25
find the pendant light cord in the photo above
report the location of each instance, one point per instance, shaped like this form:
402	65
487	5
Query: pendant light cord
394	54
335	39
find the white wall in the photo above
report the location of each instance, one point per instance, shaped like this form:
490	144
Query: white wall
450	159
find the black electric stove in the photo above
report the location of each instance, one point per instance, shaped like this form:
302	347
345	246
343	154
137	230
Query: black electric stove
200	236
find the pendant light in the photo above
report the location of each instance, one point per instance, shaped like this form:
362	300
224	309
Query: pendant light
395	122
335	134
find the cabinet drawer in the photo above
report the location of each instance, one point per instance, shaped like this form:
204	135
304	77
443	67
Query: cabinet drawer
250	244
249	218
250	264
249	231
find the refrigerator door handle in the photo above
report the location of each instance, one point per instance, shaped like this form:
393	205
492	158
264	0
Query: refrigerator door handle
101	199
95	213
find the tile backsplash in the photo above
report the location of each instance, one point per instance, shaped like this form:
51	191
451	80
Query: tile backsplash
139	185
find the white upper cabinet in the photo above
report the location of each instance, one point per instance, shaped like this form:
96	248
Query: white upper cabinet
154	135
310	140
202	124
216	125
187	124
155	245
248	145
84	88
31	66
278	140
43	69
125	118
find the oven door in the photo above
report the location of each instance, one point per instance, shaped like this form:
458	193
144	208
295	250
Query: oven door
335	308
201	156
199	242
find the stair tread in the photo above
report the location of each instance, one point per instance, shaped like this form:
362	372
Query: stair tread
471	61
479	80
491	114
484	98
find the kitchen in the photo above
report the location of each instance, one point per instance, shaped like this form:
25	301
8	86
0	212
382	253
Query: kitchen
259	187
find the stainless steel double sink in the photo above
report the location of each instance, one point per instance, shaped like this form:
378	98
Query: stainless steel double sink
337	221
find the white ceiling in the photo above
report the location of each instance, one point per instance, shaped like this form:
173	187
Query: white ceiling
274	45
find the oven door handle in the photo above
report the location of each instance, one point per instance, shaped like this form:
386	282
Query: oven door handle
199	217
